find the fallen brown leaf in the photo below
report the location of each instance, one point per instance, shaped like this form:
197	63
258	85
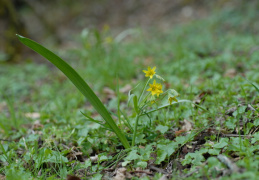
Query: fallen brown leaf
37	125
177	133
109	92
187	126
201	97
230	73
126	88
32	115
69	177
2	177
120	174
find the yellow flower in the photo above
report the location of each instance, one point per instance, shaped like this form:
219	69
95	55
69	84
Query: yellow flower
106	28
155	88
172	94
150	72
159	89
153	101
171	99
108	40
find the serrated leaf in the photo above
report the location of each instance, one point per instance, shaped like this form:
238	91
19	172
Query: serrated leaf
83	132
170	148
195	158
256	122
181	139
161	155
103	158
140	139
222	143
97	177
125	163
142	164
255	138
55	157
87	163
132	155
166	150
214	151
162	128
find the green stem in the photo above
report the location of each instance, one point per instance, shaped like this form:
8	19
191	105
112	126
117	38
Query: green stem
126	120
135	131
144	101
164	106
143	91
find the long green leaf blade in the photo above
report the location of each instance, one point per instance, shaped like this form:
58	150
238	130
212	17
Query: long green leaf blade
77	80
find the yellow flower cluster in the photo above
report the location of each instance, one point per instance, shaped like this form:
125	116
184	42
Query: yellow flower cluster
155	88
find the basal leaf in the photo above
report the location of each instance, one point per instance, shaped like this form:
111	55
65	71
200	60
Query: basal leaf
81	85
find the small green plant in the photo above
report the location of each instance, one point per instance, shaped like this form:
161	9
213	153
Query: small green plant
142	103
152	97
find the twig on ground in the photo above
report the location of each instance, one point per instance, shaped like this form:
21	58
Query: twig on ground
255	130
142	171
158	169
236	135
108	169
191	173
225	160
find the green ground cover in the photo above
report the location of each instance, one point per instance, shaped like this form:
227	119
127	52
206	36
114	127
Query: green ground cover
45	136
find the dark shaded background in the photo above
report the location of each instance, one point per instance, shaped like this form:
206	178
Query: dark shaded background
58	21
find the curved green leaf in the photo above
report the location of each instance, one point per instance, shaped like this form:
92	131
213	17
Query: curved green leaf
81	85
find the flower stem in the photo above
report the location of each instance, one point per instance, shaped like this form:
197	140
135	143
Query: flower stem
135	131
143	91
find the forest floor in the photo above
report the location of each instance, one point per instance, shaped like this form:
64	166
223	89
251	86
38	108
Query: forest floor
212	61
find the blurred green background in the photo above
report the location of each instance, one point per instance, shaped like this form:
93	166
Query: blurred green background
59	22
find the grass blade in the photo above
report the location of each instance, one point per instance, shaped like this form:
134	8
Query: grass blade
164	106
105	125
255	86
81	85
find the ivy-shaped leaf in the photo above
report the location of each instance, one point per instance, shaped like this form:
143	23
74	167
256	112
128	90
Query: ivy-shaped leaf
162	128
132	155
222	143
